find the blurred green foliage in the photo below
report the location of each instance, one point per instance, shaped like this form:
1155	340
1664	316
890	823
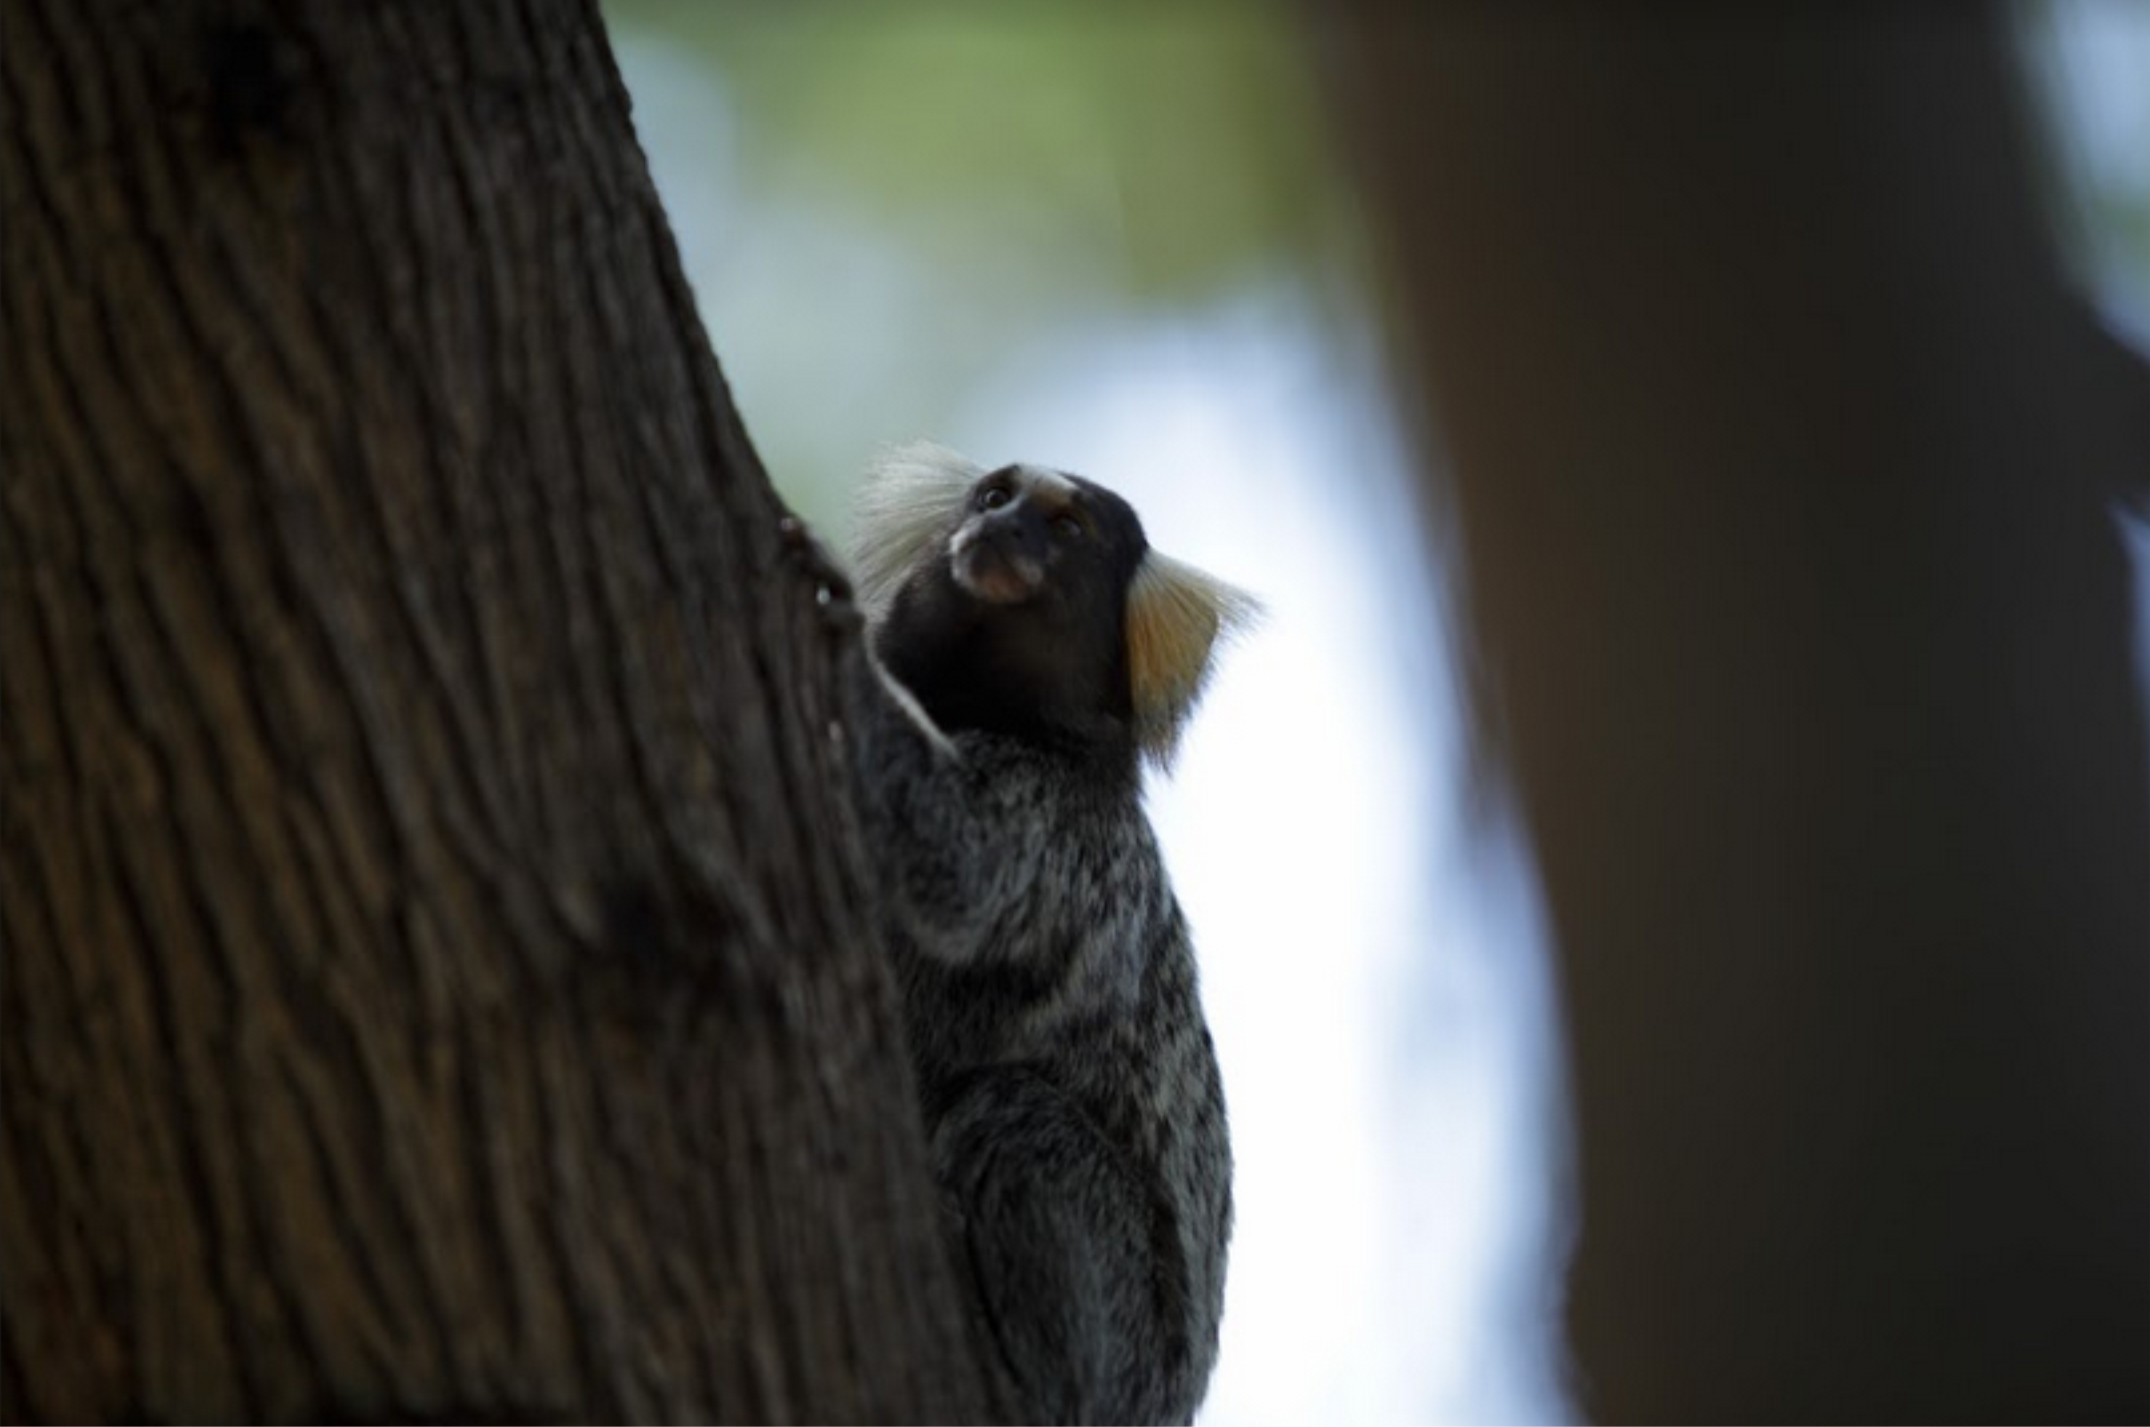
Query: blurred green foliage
898	213
1178	145
890	208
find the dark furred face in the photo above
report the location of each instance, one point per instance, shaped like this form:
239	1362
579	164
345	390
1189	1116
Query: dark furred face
1016	622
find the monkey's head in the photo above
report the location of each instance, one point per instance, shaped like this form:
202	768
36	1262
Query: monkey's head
1029	602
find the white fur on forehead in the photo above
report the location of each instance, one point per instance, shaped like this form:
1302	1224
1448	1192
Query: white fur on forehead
1175	617
909	499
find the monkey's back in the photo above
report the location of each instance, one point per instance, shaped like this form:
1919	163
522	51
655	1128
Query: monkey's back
1086	984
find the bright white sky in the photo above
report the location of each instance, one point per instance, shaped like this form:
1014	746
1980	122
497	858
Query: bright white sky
2091	59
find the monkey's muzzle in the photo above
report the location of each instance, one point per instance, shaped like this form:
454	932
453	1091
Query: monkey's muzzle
995	562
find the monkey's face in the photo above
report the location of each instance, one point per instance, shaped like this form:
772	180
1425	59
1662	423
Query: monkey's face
1032	534
1018	621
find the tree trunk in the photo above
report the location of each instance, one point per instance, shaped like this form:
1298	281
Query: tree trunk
440	969
1784	470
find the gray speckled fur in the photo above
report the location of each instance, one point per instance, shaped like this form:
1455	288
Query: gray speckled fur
1070	1087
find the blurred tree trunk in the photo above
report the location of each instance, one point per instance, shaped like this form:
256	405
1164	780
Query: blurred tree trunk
1784	469
439	974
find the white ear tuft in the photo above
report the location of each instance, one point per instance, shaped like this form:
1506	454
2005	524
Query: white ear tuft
908	500
1175	616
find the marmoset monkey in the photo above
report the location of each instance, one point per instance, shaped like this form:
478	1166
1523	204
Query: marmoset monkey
1035	651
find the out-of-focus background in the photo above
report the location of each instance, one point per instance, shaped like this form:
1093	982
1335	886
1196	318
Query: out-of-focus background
1123	241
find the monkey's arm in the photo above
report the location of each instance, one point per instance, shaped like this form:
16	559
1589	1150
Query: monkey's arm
965	828
965	839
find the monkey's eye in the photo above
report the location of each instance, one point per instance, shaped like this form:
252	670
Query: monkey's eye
1067	526
995	496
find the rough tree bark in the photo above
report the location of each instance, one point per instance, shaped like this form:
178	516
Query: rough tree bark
439	971
1784	470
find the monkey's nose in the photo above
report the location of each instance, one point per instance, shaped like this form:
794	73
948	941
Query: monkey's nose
1018	531
996	562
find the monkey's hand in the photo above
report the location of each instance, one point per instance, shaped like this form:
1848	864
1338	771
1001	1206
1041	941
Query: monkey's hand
963	829
832	587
